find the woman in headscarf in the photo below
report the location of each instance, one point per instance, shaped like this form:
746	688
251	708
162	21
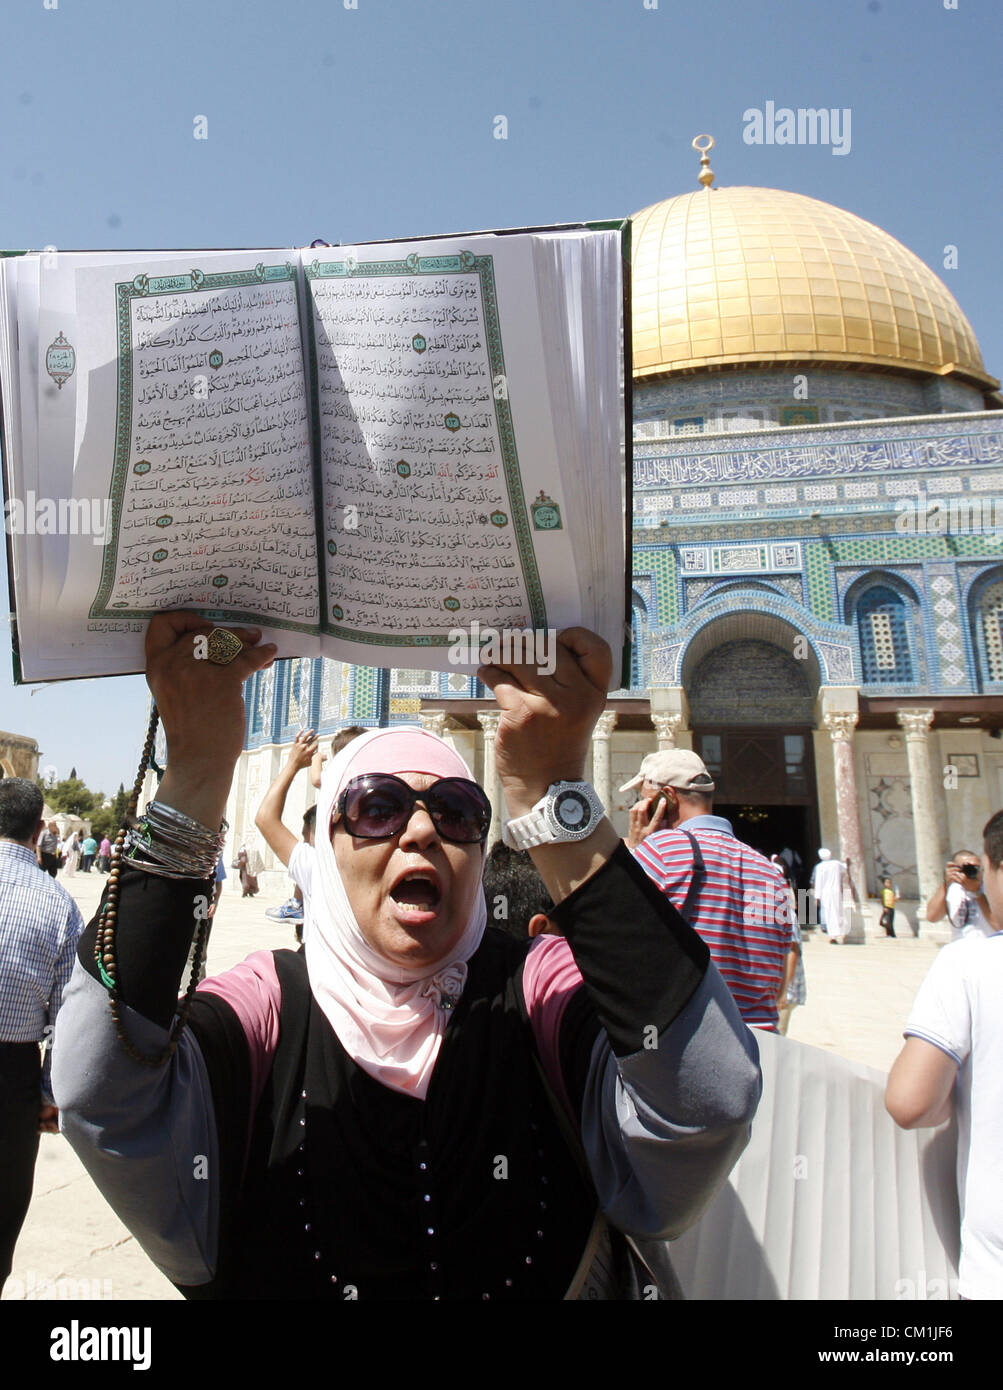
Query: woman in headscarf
248	881
71	855
417	1107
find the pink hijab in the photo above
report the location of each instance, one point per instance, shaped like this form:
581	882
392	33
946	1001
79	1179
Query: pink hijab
388	1018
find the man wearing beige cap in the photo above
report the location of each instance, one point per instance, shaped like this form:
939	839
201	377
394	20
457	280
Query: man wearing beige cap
729	893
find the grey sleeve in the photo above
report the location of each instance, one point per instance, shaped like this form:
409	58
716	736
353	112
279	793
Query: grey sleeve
662	1128
146	1135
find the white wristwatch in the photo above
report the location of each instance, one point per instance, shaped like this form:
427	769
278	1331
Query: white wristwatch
569	811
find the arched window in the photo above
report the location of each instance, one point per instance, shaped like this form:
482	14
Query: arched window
882	622
990	627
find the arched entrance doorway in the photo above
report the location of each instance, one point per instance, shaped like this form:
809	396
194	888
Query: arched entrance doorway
752	682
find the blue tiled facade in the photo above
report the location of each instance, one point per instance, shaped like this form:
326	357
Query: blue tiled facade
805	523
798	522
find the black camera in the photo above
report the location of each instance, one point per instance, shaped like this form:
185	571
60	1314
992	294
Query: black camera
970	870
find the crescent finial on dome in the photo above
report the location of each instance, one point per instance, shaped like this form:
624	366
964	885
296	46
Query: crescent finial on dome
706	175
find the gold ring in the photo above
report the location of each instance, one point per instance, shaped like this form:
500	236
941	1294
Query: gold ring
223	646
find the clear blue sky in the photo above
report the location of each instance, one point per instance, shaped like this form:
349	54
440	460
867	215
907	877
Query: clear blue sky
355	124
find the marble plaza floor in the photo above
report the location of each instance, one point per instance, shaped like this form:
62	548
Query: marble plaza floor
73	1246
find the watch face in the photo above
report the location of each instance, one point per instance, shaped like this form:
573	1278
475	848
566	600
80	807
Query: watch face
572	811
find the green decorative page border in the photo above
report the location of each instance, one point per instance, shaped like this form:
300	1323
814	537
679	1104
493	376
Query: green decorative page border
462	263
144	286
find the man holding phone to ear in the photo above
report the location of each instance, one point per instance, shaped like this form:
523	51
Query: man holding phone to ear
962	900
729	893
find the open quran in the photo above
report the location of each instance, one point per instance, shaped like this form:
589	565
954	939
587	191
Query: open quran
364	451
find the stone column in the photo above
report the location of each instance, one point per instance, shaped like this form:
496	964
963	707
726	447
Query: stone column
601	756
433	721
929	868
841	724
666	727
488	720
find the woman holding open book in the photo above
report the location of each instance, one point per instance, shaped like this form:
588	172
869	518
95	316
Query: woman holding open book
418	1106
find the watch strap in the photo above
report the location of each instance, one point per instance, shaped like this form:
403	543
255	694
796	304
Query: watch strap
537	828
527	831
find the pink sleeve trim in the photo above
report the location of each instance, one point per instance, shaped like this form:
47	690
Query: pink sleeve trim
549	978
253	992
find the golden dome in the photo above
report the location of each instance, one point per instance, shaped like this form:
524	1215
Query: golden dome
757	275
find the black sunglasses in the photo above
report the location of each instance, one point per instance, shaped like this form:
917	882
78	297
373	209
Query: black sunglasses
378	805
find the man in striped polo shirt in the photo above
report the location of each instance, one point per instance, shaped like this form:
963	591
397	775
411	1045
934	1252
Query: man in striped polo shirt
731	895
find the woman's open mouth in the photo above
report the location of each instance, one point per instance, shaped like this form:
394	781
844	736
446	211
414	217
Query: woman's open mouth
417	896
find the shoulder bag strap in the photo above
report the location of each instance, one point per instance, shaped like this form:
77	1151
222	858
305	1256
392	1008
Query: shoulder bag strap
697	877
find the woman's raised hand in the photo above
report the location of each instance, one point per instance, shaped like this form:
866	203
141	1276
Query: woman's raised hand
547	720
202	708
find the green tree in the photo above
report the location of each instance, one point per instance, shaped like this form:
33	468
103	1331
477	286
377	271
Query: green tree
107	820
72	795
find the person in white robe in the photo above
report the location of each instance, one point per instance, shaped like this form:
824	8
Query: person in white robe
71	855
830	882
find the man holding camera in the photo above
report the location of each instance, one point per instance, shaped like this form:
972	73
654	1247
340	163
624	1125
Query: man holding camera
962	900
950	1066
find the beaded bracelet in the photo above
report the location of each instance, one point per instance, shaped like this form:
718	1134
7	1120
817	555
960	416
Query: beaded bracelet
163	856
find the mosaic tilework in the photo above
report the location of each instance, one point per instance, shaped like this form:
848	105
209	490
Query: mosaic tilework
790	585
296	693
818	566
947	626
330	690
973	577
660	563
974	581
454	684
911	582
838	662
829	390
407	682
846	578
887	549
738	559
831	642
643	585
362	692
750	682
664	661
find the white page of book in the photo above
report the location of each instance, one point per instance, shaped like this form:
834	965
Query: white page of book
59	391
435	437
20	451
581	289
194	422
